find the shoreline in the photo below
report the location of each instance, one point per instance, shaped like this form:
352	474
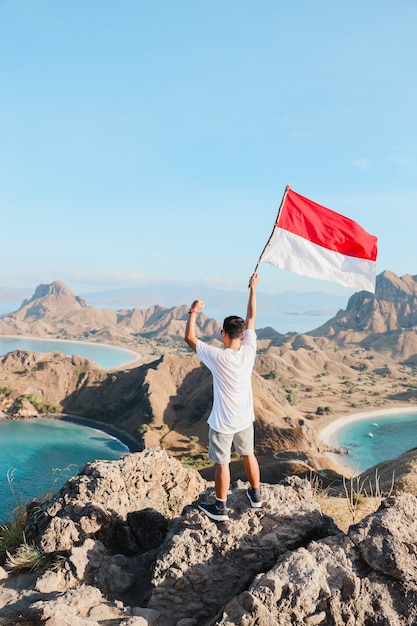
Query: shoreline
330	431
122	435
136	356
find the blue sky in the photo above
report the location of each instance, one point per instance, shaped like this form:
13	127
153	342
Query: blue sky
144	142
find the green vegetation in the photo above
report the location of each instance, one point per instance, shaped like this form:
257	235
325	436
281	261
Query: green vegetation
26	556
15	551
324	410
13	534
291	396
196	461
197	457
143	428
6	391
44	407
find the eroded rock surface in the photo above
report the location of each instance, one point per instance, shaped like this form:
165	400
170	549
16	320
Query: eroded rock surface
153	558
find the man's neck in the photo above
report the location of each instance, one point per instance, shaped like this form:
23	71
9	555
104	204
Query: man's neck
233	344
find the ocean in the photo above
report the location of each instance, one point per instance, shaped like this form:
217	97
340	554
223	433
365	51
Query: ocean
37	455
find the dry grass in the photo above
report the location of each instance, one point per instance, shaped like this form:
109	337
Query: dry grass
339	510
360	497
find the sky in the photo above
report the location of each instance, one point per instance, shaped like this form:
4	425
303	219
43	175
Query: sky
150	142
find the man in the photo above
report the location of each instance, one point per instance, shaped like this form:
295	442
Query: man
231	418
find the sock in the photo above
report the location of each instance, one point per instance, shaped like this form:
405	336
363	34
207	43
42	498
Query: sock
257	491
221	503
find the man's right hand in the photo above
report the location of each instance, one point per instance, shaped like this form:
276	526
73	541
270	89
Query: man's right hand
197	305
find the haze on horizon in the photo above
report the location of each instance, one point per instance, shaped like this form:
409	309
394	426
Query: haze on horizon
152	143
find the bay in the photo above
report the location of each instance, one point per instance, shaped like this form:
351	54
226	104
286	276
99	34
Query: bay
107	357
380	437
38	455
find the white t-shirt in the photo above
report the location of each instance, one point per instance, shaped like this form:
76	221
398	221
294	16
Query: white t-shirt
232	409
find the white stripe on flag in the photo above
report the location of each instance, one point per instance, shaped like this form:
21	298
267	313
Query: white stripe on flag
296	254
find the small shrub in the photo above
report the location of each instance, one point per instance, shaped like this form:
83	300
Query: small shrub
26	556
12	534
143	428
324	410
291	396
6	391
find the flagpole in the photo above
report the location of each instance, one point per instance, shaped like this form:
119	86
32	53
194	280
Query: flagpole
287	188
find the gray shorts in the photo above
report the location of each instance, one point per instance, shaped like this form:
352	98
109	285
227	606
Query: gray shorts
220	445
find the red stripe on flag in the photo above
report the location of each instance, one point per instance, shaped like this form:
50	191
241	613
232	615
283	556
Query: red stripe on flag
326	228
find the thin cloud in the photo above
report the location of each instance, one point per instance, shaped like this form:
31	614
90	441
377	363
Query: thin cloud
363	164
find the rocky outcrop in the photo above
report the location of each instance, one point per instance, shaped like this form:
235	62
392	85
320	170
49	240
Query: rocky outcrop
392	308
103	495
134	549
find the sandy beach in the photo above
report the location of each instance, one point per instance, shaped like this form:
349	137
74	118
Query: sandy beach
135	356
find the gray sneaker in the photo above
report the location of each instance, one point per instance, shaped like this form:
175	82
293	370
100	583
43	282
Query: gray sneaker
214	511
254	498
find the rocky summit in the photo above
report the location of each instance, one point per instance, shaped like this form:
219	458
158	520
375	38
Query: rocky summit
124	542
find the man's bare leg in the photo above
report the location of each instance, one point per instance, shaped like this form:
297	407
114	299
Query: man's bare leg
222	481
252	470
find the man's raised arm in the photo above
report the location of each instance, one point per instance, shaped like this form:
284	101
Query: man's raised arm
251	311
190	334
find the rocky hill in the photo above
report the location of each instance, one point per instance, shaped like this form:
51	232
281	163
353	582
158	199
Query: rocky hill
123	543
389	317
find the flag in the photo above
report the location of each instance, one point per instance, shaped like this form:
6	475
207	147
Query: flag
311	240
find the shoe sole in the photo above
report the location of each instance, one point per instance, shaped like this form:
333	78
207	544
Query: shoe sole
216	518
254	505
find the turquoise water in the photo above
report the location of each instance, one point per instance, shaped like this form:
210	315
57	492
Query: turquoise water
106	357
36	453
377	439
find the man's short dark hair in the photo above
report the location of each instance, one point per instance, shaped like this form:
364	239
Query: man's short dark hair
234	326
